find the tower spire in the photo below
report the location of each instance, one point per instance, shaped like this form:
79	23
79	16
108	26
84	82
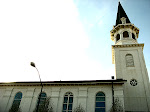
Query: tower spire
121	13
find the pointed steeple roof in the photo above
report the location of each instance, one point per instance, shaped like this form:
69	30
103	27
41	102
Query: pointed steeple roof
121	13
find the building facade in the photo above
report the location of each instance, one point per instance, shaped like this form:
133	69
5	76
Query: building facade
130	91
84	93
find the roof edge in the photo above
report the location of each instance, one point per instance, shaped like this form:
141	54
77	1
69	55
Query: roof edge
85	82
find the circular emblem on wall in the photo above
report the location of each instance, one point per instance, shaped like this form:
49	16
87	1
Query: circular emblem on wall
133	82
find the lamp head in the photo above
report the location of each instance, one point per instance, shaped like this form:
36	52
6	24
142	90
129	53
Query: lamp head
32	64
112	77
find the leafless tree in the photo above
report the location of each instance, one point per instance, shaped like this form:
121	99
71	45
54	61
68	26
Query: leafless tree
15	108
78	109
47	106
117	107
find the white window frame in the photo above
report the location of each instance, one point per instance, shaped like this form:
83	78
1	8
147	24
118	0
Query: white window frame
68	95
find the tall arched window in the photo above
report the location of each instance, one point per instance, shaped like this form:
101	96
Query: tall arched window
68	102
42	99
118	37
129	60
125	34
100	102
42	103
133	36
16	102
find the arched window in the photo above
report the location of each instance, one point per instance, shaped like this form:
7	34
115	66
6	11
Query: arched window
129	60
16	102
68	102
42	99
100	102
133	36
118	37
125	34
42	103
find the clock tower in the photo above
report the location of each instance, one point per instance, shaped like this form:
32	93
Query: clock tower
127	55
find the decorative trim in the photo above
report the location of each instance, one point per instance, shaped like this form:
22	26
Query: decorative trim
123	46
66	83
133	82
119	26
129	45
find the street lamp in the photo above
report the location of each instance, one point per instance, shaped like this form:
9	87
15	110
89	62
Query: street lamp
112	77
33	65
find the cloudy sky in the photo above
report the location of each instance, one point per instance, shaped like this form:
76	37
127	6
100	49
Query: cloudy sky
67	39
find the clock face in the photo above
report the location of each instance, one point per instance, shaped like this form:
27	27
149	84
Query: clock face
133	82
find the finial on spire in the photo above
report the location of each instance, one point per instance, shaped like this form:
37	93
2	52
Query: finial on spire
123	20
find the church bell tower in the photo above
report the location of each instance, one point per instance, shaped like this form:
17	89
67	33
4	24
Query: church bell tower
127	55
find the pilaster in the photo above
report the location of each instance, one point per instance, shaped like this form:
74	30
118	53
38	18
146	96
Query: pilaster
82	97
7	99
27	100
55	98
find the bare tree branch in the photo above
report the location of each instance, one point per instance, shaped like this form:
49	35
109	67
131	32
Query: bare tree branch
78	109
117	107
47	106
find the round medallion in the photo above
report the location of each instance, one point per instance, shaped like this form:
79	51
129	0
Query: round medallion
133	82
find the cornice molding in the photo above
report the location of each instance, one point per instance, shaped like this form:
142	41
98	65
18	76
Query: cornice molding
128	45
120	26
73	83
124	46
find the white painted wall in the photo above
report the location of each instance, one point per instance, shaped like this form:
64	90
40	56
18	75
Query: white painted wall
84	95
137	98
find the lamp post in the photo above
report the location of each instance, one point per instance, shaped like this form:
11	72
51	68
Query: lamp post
33	65
112	77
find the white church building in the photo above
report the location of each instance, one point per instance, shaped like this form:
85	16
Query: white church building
129	91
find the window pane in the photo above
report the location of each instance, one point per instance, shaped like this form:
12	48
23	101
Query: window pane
118	37
43	94
133	36
100	94
125	34
18	95
42	99
16	102
64	106
70	107
65	99
100	98
70	99
41	102
100	110
100	104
